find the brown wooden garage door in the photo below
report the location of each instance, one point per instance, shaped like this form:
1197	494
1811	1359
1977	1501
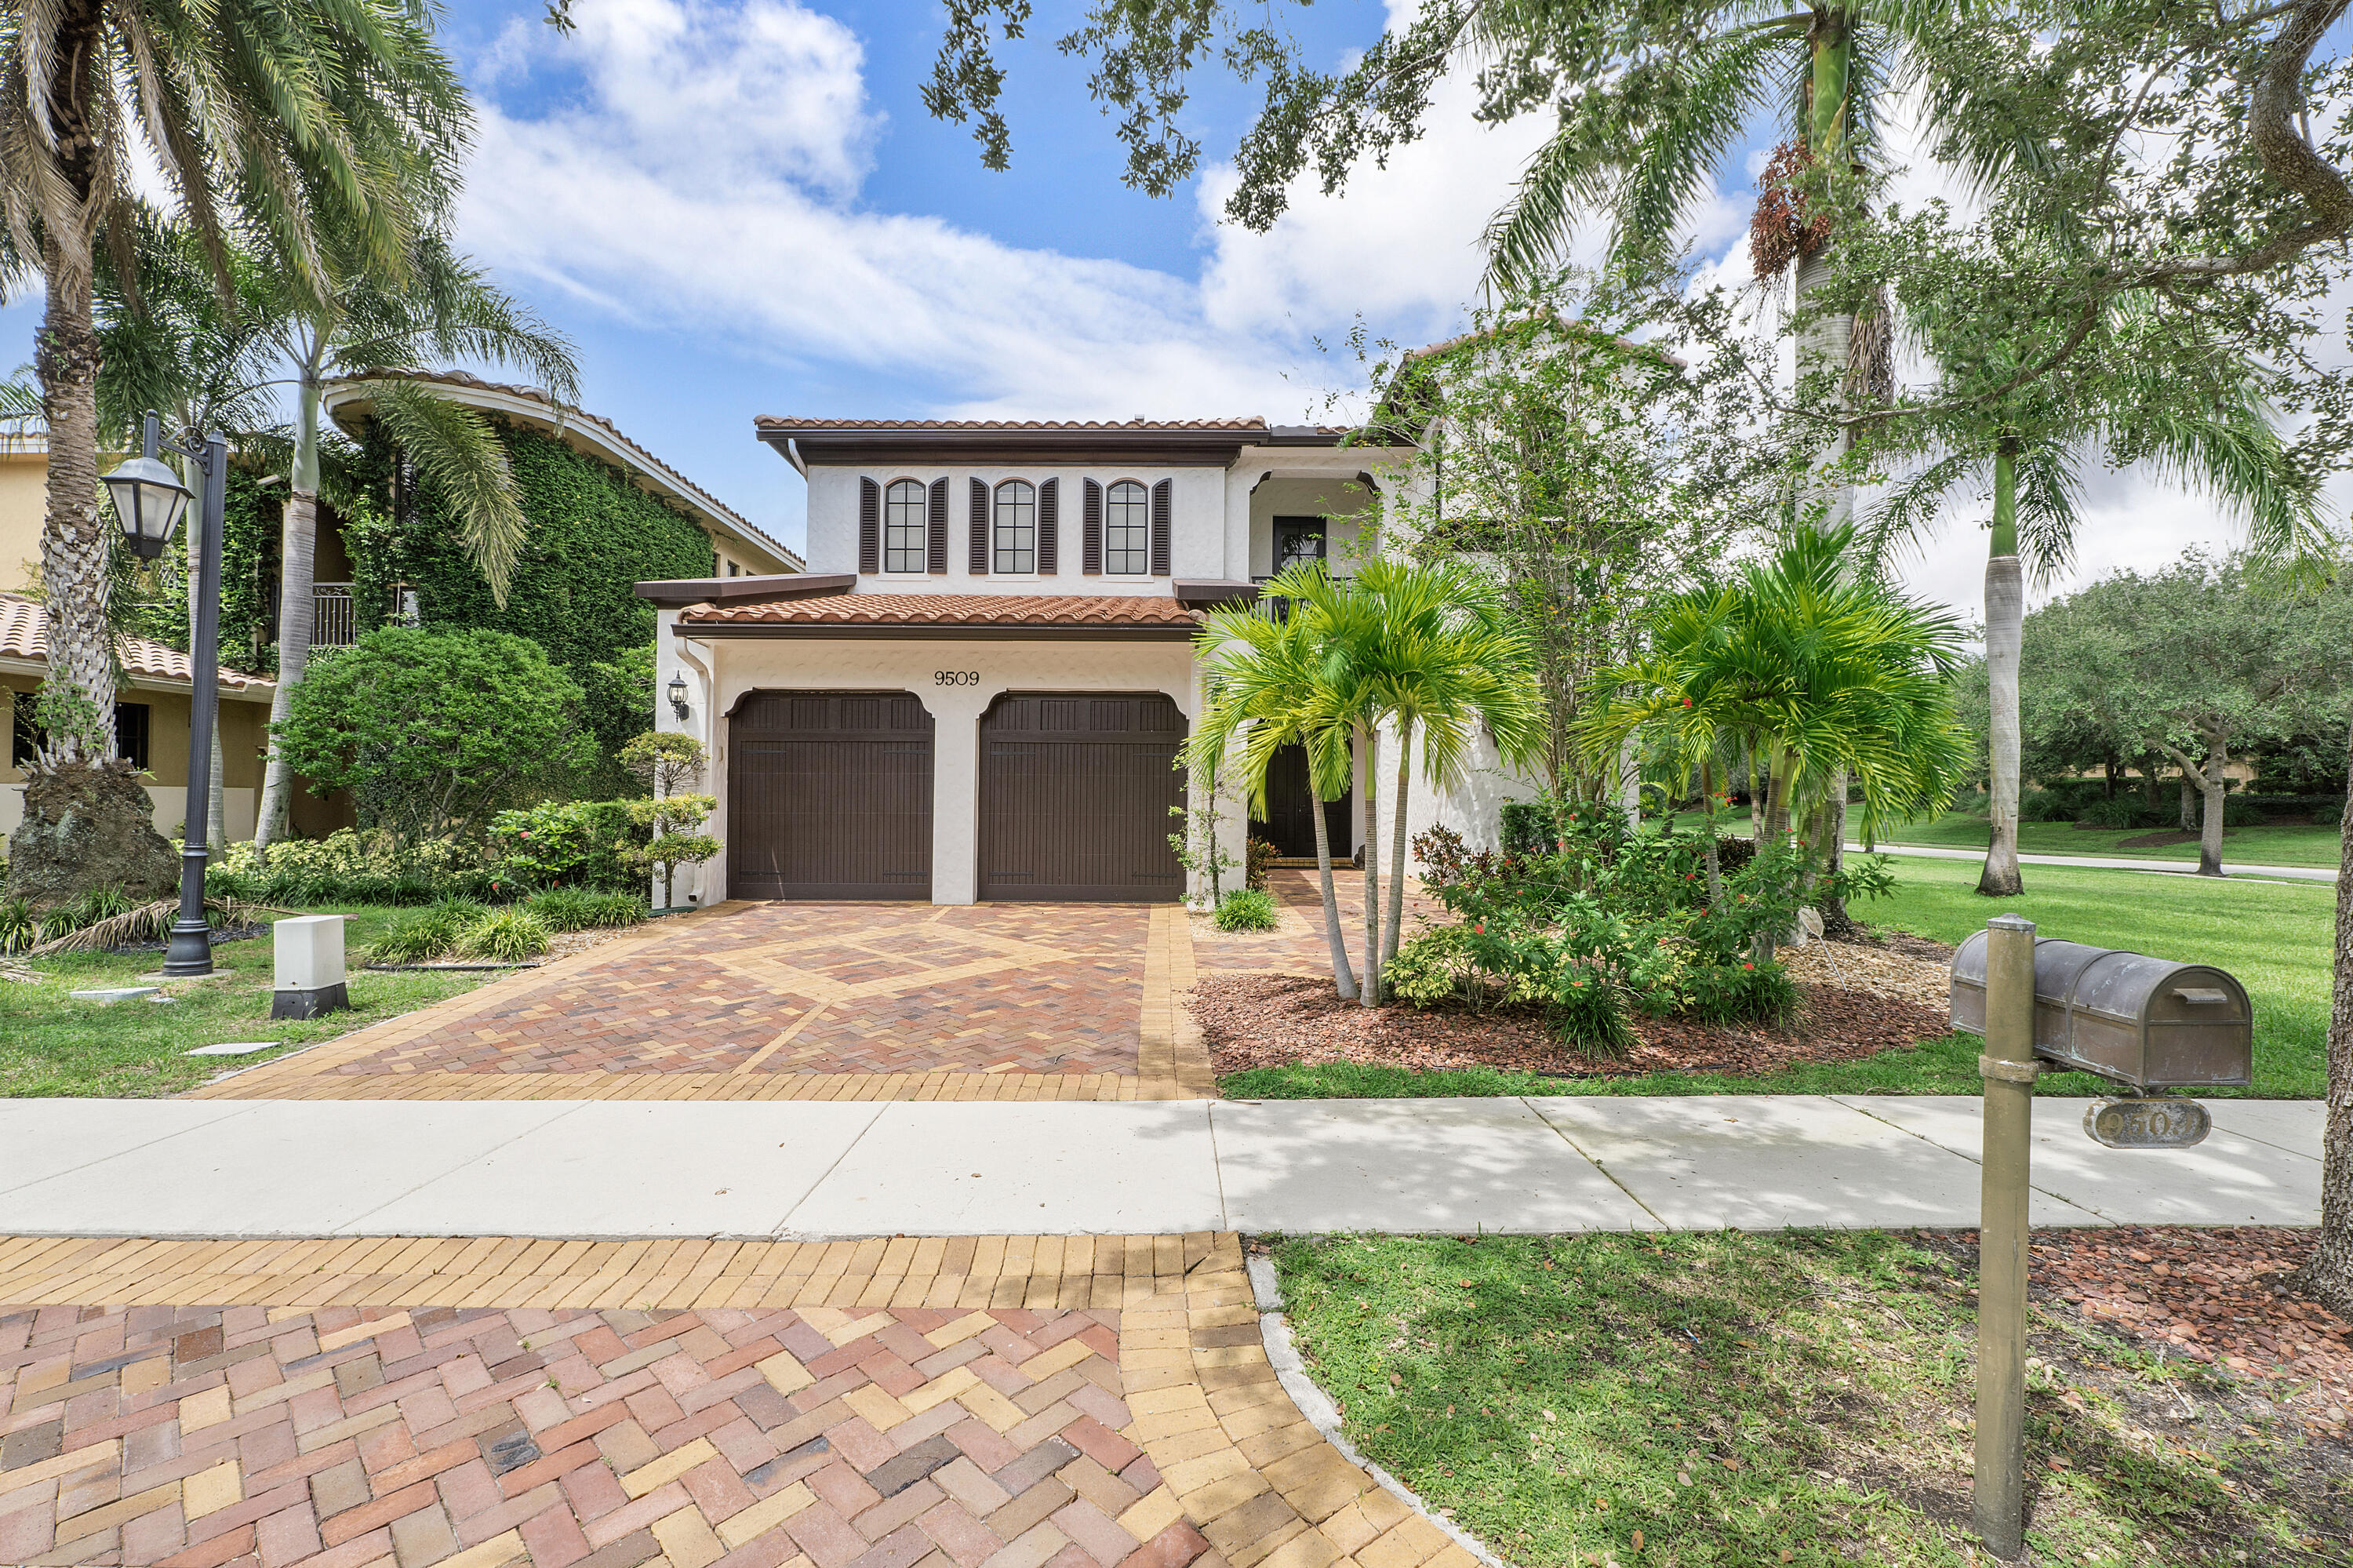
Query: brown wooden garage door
830	796
1075	792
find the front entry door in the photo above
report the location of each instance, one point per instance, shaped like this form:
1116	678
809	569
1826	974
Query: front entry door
1288	825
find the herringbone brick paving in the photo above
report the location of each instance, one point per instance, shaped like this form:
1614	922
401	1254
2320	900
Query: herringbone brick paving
1150	1433
803	1000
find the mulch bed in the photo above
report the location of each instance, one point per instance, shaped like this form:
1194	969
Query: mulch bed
2216	1296
1276	1020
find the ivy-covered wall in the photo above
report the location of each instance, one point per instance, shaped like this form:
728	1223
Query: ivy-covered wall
594	536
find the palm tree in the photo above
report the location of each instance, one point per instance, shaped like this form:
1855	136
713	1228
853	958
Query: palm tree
2167	389
1830	669
370	324
284	121
1436	658
1273	689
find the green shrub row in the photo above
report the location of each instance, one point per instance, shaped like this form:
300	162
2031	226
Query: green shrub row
583	845
460	927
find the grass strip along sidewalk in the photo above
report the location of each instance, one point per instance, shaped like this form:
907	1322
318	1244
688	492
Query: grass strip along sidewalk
52	1044
1675	1401
2276	937
2274	844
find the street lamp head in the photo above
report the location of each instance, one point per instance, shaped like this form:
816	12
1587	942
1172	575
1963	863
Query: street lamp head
677	695
148	500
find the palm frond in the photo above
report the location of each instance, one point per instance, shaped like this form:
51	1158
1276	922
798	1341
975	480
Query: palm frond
458	454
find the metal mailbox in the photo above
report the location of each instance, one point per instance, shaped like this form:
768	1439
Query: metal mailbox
2148	1022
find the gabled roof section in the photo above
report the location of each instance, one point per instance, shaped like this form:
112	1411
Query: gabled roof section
1089	616
24	639
584	432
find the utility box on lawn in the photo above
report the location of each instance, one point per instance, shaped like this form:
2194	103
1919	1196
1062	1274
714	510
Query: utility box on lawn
310	979
2148	1022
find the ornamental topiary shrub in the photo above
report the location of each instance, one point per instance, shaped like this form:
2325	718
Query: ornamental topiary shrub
434	733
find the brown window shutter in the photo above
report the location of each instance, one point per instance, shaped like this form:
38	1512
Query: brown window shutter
1163	495
1091	530
1050	527
869	526
935	543
979	558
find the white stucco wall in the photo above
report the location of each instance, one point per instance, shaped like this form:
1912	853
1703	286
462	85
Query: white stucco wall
1471	804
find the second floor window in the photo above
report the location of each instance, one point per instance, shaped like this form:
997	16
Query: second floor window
1015	527
906	528
1127	529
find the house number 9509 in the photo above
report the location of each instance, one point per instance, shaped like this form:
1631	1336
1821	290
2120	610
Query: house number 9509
955	677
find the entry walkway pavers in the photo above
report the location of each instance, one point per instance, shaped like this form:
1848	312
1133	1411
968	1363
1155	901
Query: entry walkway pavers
802	1001
587	1168
1014	1402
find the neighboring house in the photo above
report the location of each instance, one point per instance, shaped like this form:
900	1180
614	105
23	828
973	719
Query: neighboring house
980	689
151	720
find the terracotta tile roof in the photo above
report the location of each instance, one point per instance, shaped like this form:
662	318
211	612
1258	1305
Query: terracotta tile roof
25	635
952	609
778	422
634	453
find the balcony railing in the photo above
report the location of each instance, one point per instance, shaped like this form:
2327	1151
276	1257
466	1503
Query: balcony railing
330	615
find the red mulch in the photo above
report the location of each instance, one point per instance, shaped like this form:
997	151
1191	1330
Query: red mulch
2218	1296
1274	1021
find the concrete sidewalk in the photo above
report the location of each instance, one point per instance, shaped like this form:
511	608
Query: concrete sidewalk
2108	862
808	1170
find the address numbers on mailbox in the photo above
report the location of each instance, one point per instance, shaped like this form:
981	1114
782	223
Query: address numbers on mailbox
2147	1124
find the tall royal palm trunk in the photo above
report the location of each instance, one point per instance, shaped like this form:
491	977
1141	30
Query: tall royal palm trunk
296	604
1343	976
2005	596
1708	855
2329	1275
1398	845
74	543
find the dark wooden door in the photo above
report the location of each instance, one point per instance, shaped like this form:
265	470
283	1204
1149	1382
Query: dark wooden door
830	796
1075	793
1287	825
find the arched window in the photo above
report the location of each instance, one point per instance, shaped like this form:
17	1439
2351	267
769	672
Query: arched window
1016	527
906	528
1127	529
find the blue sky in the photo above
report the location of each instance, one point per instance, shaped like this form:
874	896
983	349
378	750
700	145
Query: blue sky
739	206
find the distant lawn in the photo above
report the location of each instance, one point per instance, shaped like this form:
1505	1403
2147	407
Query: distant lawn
50	1045
2275	937
2316	846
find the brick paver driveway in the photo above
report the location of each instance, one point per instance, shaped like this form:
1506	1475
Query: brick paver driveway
803	1001
993	1402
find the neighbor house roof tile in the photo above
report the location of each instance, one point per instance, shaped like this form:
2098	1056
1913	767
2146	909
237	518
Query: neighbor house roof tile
952	610
25	635
780	422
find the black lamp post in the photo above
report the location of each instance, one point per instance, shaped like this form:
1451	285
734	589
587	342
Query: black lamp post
148	500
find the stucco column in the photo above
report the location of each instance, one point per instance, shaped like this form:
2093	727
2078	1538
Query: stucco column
955	791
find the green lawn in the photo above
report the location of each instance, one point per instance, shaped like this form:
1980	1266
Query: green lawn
2316	846
2275	937
50	1045
1687	1400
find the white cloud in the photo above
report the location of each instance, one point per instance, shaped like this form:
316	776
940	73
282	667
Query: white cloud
750	235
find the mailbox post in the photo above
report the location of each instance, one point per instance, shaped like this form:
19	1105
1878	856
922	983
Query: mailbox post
2008	1068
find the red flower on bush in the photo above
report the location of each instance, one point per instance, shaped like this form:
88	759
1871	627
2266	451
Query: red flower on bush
1748	966
1687	702
1480	928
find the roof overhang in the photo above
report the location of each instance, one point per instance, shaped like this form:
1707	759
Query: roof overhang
938	631
230	691
846	446
676	593
1199	593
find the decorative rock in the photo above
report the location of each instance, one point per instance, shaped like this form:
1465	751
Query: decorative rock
110	995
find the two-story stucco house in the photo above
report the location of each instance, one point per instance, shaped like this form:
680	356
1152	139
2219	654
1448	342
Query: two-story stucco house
978	690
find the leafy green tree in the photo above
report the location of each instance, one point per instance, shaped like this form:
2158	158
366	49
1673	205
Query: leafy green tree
360	320
2204	656
1589	473
436	732
286	125
1273	684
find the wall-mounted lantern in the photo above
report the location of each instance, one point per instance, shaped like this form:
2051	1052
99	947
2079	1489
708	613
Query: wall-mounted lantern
677	695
